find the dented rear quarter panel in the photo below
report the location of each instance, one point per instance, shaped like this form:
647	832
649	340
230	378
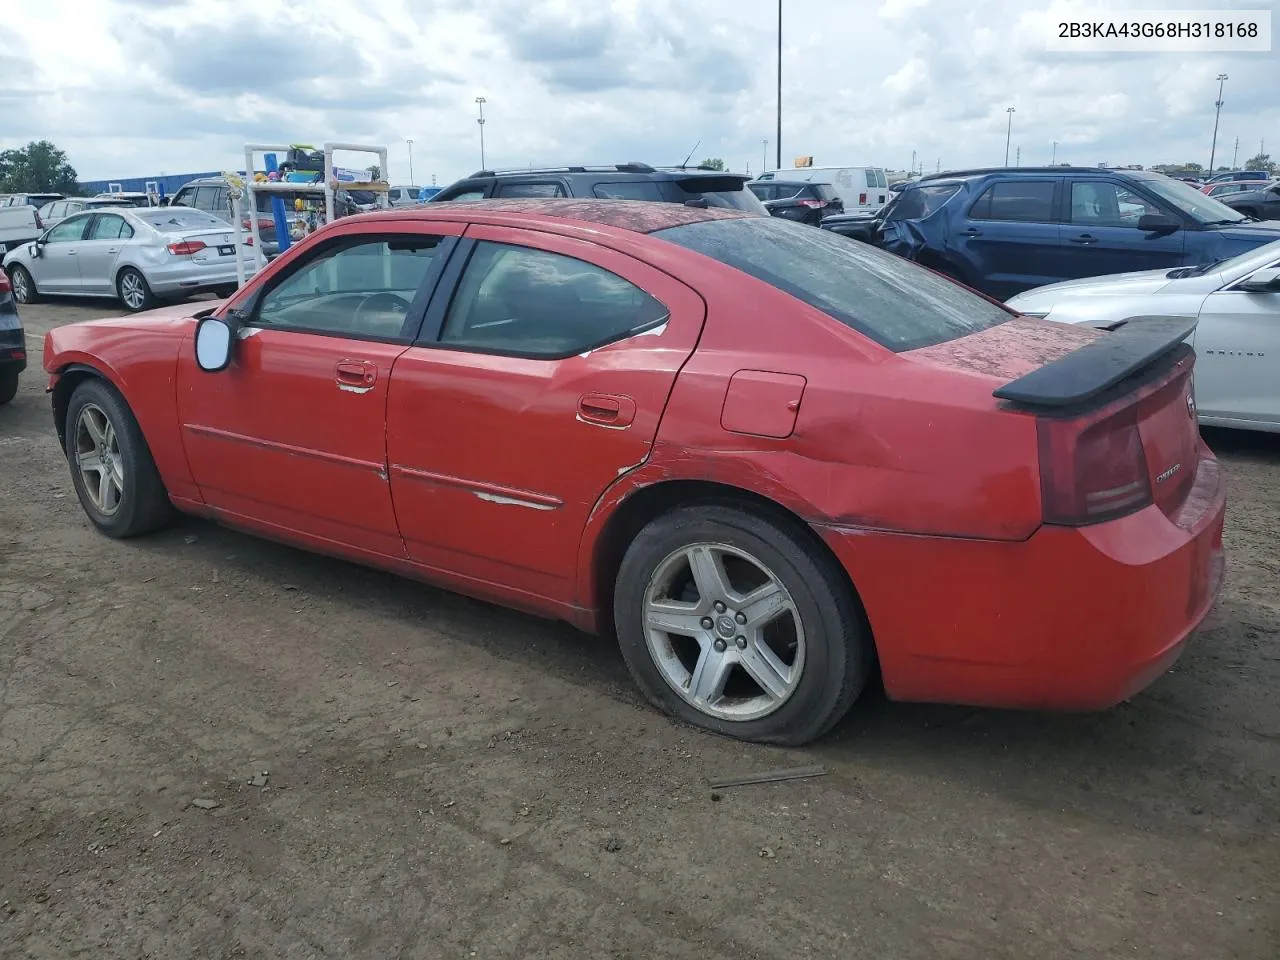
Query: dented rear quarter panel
138	355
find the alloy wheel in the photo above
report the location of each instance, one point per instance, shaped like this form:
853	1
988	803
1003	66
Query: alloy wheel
132	291
97	457
21	286
723	631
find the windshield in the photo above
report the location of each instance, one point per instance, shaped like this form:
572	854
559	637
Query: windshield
896	303
179	219
727	192
1202	208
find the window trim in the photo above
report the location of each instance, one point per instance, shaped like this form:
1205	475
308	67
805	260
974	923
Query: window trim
446	245
1055	203
433	328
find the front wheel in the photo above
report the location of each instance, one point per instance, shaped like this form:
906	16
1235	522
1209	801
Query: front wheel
114	475
24	288
135	293
740	625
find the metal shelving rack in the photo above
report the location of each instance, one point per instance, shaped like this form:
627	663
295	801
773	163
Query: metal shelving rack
328	186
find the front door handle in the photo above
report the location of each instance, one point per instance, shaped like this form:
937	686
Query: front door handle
971	232
113	250
356	376
1084	238
606	410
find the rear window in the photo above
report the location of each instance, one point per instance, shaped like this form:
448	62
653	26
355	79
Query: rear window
896	303
916	203
720	192
628	190
1024	201
179	219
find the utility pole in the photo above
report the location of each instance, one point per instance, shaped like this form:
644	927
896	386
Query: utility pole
778	142
1235	156
480	101
938	167
1018	162
764	155
1213	151
1008	135
409	141
1054	161
912	171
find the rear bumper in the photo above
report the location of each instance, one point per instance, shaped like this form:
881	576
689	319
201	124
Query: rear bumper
1070	619
13	340
189	278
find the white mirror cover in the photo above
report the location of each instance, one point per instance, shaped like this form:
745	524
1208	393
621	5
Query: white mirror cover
213	344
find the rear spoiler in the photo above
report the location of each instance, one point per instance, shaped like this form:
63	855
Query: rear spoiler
1099	365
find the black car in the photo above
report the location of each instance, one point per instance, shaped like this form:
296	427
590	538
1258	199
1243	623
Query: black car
13	342
696	186
862	225
798	200
1262	203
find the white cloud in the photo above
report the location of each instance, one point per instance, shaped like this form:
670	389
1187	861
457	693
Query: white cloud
180	85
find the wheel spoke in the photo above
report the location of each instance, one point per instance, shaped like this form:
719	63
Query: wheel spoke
706	685
764	605
93	428
109	436
89	460
106	487
708	573
764	667
671	616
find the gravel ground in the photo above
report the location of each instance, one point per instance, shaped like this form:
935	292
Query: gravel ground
384	770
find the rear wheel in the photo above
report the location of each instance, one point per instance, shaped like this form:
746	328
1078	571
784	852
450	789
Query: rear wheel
135	293
111	466
740	625
8	385
24	288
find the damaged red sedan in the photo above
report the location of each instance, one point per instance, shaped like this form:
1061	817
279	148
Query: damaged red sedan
765	458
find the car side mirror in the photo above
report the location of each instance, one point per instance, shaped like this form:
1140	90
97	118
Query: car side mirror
1157	223
1264	281
215	338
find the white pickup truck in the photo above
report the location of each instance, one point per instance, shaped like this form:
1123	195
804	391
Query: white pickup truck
19	221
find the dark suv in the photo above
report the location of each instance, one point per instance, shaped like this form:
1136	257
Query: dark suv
622	181
13	342
1002	231
798	200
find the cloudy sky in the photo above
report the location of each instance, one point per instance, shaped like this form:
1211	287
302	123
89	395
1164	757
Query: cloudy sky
142	87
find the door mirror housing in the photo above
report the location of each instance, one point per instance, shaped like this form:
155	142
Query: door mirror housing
1264	281
37	248
1157	223
215	341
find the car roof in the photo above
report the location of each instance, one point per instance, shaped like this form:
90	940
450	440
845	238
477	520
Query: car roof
1036	171
636	216
617	171
795	183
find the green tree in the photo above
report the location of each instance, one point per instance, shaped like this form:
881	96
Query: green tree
713	163
1262	161
39	167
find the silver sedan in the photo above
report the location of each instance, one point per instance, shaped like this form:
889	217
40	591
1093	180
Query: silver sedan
1237	339
136	255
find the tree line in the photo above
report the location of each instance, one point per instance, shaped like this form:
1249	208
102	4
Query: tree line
39	167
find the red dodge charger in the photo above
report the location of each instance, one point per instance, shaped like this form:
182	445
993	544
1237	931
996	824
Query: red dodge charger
763	456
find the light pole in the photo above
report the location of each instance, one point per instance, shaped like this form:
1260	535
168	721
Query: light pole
1054	161
1213	151
764	155
1008	135
409	141
778	141
480	101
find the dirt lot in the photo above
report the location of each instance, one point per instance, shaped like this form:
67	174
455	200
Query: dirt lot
450	780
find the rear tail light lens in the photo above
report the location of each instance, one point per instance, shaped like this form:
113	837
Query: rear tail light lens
184	248
862	198
39	221
813	204
5	286
1092	470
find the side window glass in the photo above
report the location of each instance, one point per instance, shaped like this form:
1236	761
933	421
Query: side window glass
361	289
110	228
67	230
530	303
183	198
1023	201
1100	203
468	195
530	190
207	199
871	178
642	190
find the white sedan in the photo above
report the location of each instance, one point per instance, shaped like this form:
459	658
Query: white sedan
1237	339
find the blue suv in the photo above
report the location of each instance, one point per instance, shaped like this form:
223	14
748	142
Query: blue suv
1002	231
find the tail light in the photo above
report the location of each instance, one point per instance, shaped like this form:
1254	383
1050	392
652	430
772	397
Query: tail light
862	199
263	224
5	286
184	248
1092	468
813	204
39	221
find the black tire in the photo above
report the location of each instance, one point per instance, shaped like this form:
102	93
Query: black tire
143	504
24	290
8	385
837	648
144	299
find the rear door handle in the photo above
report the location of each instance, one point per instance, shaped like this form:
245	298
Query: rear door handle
606	410
1084	238
113	250
971	232
356	376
